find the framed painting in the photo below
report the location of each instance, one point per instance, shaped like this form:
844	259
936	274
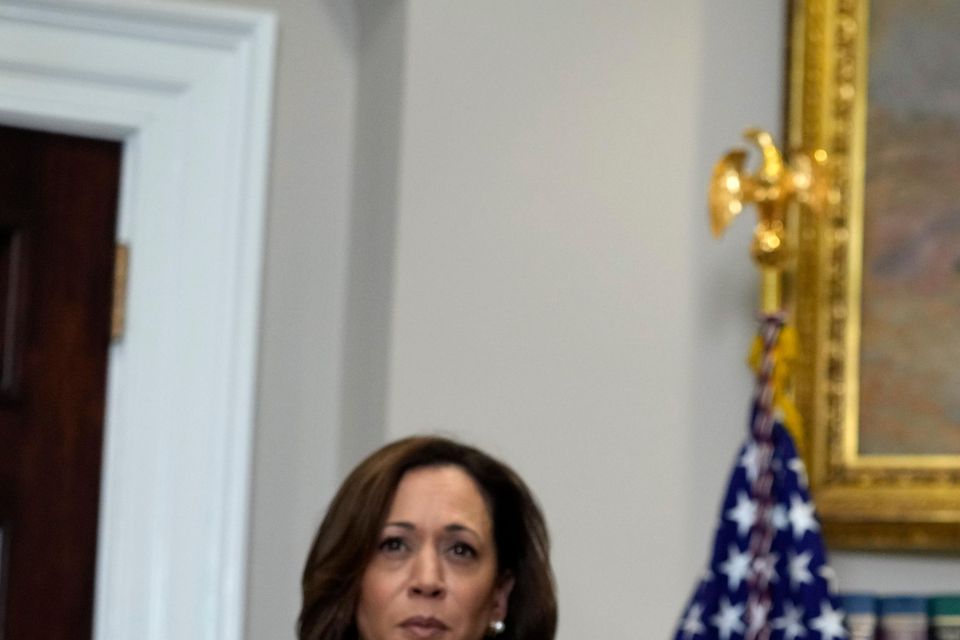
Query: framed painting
875	289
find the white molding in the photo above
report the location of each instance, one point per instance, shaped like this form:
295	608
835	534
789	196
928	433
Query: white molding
187	90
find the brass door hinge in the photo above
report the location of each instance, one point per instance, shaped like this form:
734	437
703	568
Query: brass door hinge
118	313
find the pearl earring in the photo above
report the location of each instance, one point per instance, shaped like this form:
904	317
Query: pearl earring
497	627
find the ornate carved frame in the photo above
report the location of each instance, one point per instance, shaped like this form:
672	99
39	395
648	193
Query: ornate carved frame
866	502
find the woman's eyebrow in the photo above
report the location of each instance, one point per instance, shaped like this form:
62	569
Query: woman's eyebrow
457	527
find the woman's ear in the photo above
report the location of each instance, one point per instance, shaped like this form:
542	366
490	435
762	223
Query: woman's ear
501	595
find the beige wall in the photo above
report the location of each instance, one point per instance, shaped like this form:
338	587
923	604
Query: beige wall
557	299
297	440
487	218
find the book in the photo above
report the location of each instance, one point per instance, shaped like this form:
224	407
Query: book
902	618
861	615
944	616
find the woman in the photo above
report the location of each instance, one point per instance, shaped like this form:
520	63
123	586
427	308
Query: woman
429	538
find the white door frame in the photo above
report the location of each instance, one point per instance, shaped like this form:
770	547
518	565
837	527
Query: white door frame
188	91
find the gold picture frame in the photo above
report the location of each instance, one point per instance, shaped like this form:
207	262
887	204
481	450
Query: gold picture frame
892	500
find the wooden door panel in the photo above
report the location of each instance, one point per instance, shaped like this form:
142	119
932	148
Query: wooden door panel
58	197
4	553
11	311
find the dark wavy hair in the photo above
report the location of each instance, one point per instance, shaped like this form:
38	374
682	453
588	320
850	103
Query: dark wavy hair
348	536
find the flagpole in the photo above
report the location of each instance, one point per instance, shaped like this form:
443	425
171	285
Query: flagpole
767	572
772	189
770	290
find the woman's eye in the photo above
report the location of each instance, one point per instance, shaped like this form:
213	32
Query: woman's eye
463	550
393	545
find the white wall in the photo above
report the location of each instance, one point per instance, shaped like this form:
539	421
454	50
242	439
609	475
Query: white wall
488	218
297	443
380	68
557	296
557	299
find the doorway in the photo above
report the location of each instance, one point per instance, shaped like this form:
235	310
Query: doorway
58	211
186	90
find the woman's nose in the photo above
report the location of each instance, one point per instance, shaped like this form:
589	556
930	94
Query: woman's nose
427	579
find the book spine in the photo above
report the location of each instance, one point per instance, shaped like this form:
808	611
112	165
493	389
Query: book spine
945	628
904	626
862	626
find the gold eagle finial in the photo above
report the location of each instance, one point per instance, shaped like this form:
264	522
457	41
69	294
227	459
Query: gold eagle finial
771	188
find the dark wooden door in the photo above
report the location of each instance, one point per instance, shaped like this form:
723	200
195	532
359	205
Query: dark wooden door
58	201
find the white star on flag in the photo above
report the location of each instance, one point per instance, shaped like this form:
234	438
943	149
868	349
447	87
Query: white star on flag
778	518
802	516
744	514
829	623
692	626
800	569
728	620
791	622
736	566
796	465
830	576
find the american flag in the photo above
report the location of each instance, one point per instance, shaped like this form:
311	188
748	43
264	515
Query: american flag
768	577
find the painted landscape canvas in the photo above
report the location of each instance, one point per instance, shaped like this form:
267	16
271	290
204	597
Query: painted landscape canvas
910	349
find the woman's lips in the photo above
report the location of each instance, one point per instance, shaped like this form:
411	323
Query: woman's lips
424	626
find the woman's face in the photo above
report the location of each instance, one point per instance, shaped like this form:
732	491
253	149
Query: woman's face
434	572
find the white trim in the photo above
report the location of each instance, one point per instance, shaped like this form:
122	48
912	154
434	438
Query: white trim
188	91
